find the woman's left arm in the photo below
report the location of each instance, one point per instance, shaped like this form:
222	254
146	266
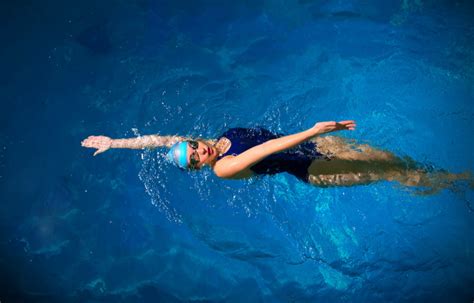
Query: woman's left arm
148	141
103	143
229	167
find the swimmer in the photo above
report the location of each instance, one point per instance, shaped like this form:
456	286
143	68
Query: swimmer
322	161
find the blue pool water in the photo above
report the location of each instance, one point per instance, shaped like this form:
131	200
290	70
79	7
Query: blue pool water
126	226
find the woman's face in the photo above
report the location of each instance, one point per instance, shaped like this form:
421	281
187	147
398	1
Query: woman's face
200	153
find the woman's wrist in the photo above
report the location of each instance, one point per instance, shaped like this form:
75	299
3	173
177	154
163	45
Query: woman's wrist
314	131
114	143
124	143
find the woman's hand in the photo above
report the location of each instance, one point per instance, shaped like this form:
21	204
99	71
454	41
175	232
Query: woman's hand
101	143
332	126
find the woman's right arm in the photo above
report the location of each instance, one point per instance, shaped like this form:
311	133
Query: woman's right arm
103	143
230	167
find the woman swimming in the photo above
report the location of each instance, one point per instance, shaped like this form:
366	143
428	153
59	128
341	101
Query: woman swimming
322	161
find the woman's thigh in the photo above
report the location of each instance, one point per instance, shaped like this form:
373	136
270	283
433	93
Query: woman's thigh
337	147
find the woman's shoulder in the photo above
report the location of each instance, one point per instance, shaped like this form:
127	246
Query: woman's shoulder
221	169
221	165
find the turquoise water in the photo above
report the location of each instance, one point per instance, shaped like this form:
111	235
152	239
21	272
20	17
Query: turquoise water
126	226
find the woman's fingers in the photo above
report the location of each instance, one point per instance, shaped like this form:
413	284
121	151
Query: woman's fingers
101	143
99	151
348	124
88	142
96	142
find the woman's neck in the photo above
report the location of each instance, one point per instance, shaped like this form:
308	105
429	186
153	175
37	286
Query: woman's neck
222	146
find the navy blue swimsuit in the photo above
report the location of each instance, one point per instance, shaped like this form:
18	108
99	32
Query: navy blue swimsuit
294	161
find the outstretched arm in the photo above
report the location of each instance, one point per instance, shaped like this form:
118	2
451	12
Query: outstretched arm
230	167
103	143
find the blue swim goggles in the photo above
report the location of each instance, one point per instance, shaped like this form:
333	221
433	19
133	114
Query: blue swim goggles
179	151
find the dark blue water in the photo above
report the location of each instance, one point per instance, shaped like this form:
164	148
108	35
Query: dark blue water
126	226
